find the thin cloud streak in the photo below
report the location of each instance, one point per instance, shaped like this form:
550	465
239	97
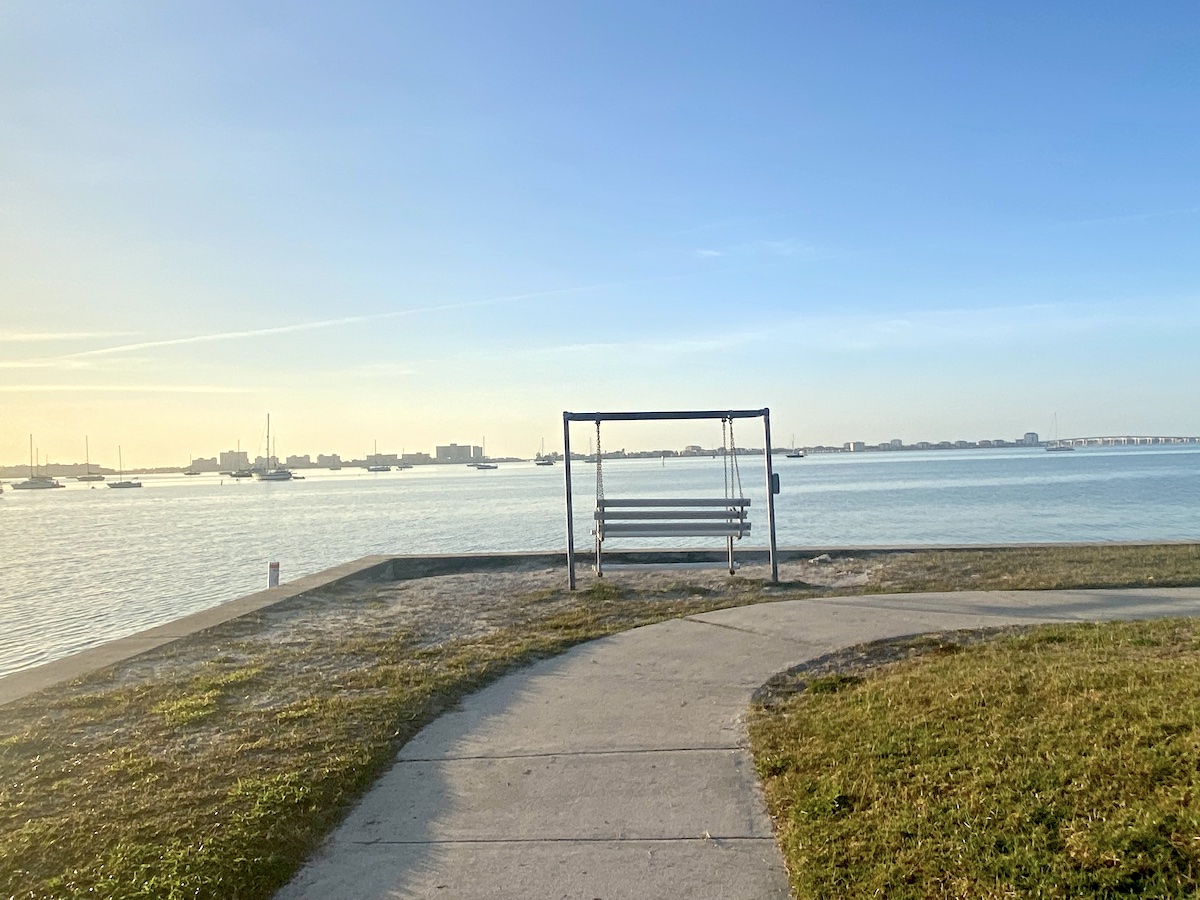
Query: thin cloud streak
120	388
374	317
33	337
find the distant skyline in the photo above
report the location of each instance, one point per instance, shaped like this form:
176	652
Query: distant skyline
424	223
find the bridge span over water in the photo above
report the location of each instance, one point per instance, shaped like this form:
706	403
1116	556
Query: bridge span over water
1121	440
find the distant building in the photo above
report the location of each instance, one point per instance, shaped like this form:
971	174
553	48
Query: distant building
923	445
962	445
454	453
415	459
200	464
234	460
329	460
854	446
693	448
1030	439
895	444
299	462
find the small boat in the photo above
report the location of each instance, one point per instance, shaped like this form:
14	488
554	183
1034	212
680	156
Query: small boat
795	452
376	465
1057	446
242	473
123	482
35	481
271	473
485	466
87	456
542	459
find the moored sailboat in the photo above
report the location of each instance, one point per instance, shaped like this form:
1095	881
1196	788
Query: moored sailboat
123	482
88	475
35	481
272	472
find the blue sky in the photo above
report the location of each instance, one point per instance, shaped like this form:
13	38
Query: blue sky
423	223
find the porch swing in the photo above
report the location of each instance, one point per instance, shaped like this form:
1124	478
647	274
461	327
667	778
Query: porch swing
657	517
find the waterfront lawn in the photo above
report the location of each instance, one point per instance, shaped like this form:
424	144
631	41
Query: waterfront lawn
213	767
1059	761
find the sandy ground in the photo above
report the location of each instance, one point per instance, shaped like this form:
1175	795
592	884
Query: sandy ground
435	609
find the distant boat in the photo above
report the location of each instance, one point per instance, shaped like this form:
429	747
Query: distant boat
123	483
795	453
376	465
190	471
485	466
542	459
1057	446
35	481
269	473
87	456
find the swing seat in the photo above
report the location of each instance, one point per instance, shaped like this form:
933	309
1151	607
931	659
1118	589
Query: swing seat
658	517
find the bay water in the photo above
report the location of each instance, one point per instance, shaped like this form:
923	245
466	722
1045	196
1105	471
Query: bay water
86	565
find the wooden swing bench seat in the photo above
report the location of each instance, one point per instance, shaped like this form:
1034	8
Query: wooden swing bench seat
629	517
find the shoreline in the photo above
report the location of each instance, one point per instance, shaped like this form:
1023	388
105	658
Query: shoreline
382	568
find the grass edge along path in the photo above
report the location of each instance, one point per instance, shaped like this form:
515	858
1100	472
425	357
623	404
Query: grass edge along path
1051	761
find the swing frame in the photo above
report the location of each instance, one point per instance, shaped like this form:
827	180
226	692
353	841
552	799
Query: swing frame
661	416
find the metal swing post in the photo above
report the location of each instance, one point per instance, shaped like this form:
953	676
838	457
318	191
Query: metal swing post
570	511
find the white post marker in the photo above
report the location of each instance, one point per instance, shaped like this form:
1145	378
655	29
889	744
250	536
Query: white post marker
272	574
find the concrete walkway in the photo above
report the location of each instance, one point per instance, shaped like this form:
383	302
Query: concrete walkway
620	770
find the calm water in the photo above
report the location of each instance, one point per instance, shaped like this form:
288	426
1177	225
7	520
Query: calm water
83	566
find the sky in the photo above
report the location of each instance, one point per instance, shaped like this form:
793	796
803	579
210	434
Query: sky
411	224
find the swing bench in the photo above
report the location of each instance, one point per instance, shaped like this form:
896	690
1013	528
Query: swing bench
658	517
685	517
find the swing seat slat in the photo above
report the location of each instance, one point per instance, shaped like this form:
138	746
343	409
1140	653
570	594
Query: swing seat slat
626	502
676	529
630	514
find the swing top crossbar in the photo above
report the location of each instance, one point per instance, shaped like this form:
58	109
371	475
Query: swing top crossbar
665	415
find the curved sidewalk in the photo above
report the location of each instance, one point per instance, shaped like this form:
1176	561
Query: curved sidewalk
620	770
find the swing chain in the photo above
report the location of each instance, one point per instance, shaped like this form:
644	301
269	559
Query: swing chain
737	474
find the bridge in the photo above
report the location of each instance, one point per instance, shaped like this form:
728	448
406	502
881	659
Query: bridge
1122	440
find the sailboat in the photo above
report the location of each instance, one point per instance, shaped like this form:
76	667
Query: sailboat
87	455
123	482
272	473
191	469
35	481
542	459
1057	447
794	453
375	465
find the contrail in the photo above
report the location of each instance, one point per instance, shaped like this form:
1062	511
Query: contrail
334	323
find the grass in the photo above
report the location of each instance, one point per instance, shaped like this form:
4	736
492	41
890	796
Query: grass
1063	761
167	778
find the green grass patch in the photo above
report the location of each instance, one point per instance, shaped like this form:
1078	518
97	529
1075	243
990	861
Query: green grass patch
1062	761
